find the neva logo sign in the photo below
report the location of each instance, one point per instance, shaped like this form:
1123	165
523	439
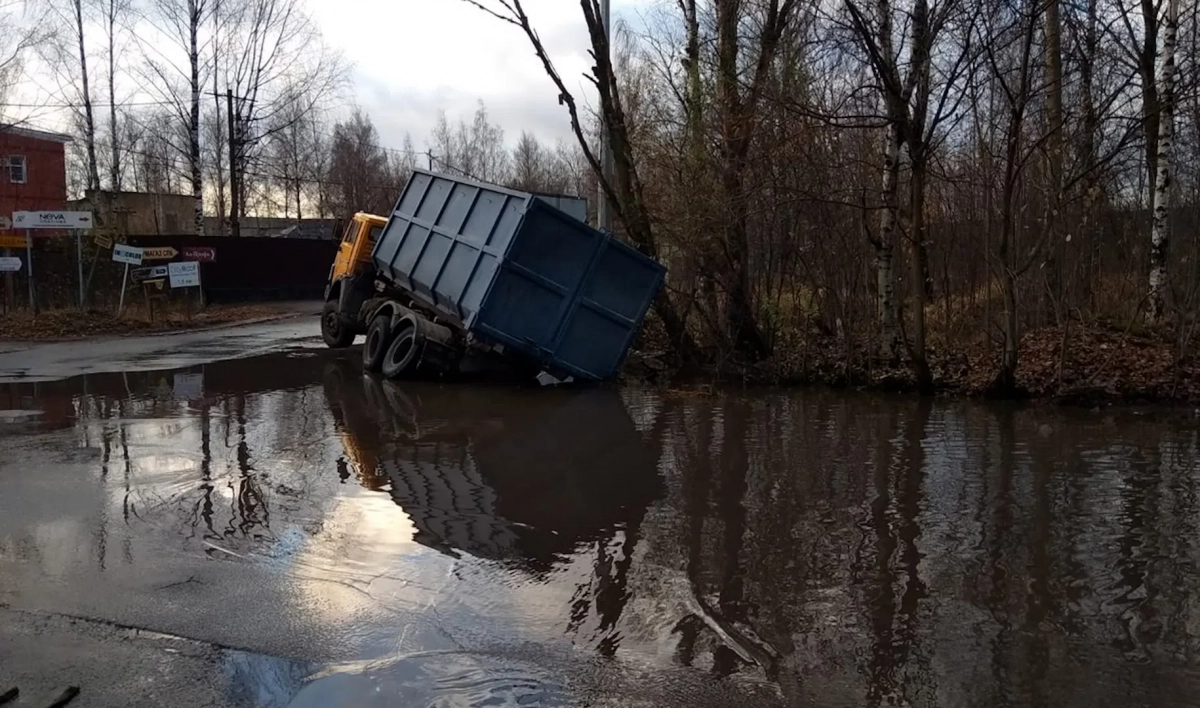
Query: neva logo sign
52	220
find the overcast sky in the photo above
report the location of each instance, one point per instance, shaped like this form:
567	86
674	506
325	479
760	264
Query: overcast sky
411	58
414	57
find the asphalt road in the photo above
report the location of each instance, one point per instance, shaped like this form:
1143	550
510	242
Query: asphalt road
58	360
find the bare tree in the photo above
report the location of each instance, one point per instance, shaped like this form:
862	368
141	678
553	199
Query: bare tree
179	81
115	14
17	40
625	191
68	58
279	71
476	151
358	176
907	98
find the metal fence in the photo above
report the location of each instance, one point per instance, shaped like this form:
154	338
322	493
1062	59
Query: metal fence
244	269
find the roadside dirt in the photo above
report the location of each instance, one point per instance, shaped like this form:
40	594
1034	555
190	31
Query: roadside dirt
72	324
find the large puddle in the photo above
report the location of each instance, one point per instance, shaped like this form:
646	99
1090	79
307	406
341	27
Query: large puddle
346	541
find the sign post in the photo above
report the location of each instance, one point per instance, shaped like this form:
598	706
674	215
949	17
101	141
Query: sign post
29	273
129	255
79	263
185	275
56	220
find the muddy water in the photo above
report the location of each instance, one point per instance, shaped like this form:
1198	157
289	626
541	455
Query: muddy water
344	541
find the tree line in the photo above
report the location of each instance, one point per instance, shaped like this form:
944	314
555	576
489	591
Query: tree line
235	103
899	179
892	179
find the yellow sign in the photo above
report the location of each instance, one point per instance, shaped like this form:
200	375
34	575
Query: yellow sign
104	242
159	253
12	241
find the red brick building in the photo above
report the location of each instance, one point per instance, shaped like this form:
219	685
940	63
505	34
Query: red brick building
33	170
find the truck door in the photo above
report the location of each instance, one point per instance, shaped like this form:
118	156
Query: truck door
344	262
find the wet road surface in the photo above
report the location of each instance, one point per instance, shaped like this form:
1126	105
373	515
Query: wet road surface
279	530
47	361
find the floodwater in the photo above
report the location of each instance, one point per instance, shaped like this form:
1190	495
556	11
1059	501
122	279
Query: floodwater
350	542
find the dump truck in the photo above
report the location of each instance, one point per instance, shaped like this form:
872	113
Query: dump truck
467	276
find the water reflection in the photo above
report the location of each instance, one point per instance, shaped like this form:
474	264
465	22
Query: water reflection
474	545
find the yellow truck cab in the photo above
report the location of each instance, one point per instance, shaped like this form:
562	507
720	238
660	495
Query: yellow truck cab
350	280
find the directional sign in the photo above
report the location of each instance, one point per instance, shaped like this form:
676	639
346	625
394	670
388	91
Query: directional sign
12	241
10	265
149	273
130	255
104	241
52	220
204	254
160	253
184	275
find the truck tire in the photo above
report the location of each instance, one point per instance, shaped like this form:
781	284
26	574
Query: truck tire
379	336
402	355
334	329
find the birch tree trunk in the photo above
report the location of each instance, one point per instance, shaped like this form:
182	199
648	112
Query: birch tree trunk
1160	233
93	174
885	251
885	248
194	17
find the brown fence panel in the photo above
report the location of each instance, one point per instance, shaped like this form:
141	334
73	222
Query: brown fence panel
253	269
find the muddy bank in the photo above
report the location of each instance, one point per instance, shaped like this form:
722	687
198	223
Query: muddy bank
1091	366
73	324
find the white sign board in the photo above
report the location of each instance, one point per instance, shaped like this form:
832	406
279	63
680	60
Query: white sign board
130	255
10	265
184	275
52	220
5	223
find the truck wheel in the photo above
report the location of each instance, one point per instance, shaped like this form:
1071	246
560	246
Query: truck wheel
379	336
401	356
333	328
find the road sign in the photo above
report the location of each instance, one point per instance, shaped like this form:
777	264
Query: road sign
160	253
5	223
129	255
12	241
204	254
104	241
148	273
184	275
52	220
10	265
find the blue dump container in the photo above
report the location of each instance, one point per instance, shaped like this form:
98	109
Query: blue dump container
513	269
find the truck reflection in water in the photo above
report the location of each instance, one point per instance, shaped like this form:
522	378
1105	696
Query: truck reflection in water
525	478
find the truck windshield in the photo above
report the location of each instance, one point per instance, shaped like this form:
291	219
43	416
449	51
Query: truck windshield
351	233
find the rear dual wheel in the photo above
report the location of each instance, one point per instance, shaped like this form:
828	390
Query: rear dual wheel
379	337
401	355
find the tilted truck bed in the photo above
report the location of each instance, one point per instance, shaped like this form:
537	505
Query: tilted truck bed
513	270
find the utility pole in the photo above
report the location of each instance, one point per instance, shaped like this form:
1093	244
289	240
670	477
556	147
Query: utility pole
603	209
234	226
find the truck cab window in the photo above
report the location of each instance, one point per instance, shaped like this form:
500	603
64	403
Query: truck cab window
375	231
351	233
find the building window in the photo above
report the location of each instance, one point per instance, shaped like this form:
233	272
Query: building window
16	169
